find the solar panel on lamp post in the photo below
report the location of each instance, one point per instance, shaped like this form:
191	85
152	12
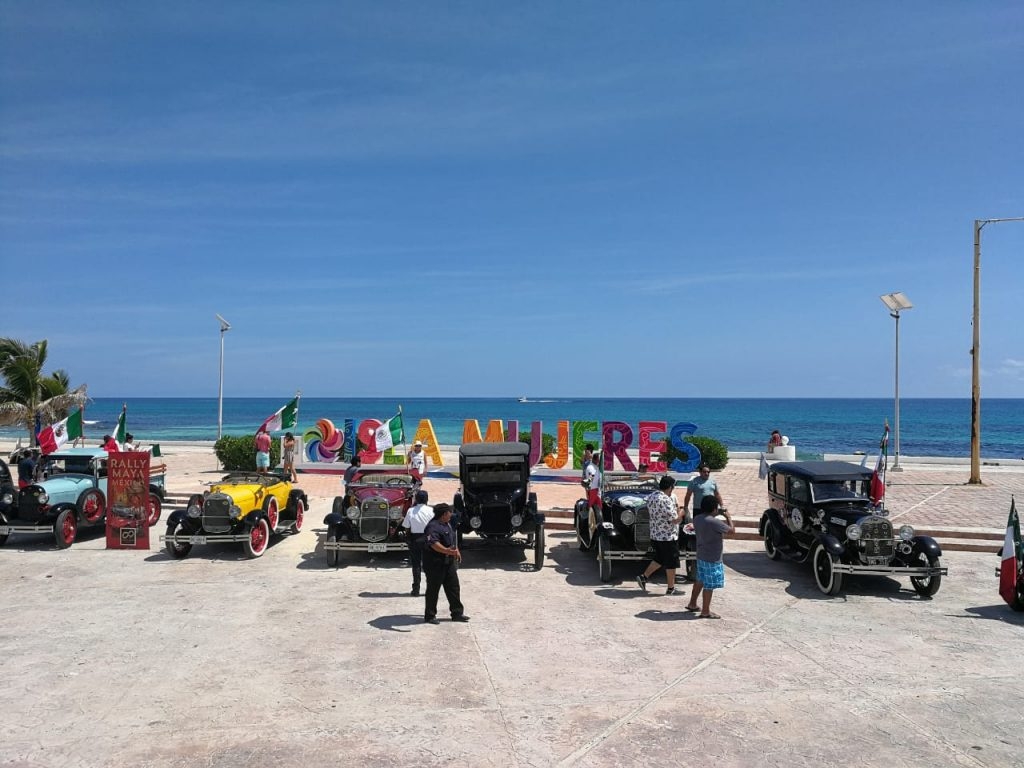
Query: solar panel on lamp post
225	326
897	302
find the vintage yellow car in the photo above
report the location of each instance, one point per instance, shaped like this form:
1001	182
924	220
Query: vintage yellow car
244	507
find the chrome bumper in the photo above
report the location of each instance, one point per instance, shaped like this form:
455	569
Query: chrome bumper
9	529
636	554
210	538
888	570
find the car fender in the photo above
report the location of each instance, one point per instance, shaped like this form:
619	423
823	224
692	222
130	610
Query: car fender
538	517
927	545
50	515
775	517
177	517
158	490
254	517
294	496
335	518
831	544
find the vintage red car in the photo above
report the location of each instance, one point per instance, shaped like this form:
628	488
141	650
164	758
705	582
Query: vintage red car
368	518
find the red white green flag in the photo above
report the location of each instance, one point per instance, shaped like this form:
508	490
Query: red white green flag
877	493
55	435
1013	552
122	426
389	434
285	418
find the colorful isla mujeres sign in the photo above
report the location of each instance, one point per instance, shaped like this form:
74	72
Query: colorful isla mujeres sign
325	443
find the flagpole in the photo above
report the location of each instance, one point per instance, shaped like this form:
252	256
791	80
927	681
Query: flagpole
401	420
298	400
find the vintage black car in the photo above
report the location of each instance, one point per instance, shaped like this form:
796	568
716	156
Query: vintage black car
821	511
8	498
621	529
369	517
494	499
244	507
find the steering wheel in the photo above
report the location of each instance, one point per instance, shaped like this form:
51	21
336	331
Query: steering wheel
393	481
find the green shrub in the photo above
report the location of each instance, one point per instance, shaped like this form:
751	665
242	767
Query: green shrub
238	454
547	443
712	452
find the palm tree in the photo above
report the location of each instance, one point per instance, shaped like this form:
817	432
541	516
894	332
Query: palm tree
28	394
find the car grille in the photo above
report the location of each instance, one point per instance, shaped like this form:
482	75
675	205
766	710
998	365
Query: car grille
877	545
373	520
496	520
642	528
28	504
215	513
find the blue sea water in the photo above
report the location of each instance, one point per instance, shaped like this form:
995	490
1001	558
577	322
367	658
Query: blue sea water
928	427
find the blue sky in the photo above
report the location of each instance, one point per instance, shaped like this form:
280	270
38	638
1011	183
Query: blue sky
576	198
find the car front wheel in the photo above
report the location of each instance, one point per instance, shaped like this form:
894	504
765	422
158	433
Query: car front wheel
3	536
604	565
300	514
65	529
926	586
153	510
825	576
538	548
258	539
175	549
333	555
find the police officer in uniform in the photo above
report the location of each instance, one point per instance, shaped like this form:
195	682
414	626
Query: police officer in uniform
416	521
441	560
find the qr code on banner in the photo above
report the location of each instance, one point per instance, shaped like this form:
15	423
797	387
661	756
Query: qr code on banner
128	537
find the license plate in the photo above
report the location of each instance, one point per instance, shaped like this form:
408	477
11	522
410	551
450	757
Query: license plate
376	547
4	530
196	539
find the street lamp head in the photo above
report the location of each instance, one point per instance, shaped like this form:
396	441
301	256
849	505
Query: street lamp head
896	302
224	324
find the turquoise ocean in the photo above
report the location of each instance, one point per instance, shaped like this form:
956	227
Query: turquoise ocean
928	427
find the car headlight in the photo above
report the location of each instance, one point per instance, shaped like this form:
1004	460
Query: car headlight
7	498
853	532
517	520
395	513
797	517
475	522
628	517
43	497
194	510
234	511
906	532
352	512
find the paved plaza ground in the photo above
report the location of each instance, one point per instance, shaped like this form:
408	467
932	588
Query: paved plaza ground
134	659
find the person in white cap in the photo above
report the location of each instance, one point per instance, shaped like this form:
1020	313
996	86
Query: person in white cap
417	463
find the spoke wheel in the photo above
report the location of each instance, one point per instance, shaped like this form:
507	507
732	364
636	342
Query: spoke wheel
926	586
691	570
92	506
578	523
825	576
65	529
333	555
176	550
538	548
300	515
604	565
153	510
769	541
3	536
258	539
273	516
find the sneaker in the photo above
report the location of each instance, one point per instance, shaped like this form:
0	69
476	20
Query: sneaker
672	591
642	581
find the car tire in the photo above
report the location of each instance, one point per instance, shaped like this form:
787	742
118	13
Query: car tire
338	507
538	548
272	512
65	528
1018	599
153	510
177	551
825	576
691	570
769	541
92	505
576	523
300	515
333	555
3	536
604	565
259	538
926	586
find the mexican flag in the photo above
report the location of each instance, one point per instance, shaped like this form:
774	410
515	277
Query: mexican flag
1013	551
285	418
121	430
877	493
389	434
54	436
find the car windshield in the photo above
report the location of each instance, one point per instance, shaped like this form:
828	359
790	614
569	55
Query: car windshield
495	472
60	465
839	490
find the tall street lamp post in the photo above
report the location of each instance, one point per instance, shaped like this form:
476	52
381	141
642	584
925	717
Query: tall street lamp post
225	326
897	302
975	478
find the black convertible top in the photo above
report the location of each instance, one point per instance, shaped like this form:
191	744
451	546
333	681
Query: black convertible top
494	449
822	470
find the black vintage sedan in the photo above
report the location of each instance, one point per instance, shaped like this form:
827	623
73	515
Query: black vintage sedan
621	530
821	511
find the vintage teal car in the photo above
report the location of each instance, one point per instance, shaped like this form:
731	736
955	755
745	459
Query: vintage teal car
72	495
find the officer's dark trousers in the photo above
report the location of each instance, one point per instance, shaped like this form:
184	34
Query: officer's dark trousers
417	542
442	572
